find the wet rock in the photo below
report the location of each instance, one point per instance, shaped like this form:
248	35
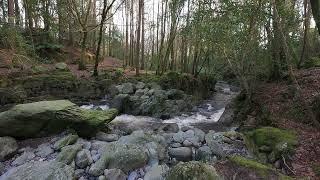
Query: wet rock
40	170
102	178
83	158
204	154
199	134
8	146
96	145
126	88
181	153
140	92
178	137
133	175
187	143
107	137
140	85
2	168
193	170
79	172
113	90
67	140
25	157
188	134
44	150
213	142
114	174
170	128
85	144
120	101
68	153
157	173
175	145
175	94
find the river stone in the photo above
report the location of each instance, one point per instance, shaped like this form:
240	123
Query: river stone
140	85
49	117
212	140
8	146
178	137
61	66
115	174
113	90
107	137
203	154
44	150
193	170
157	173
79	172
181	153
126	88
67	140
175	145
83	158
68	153
40	170
187	143
199	134
124	157
25	157
2	168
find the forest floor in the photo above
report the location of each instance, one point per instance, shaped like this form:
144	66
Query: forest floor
287	113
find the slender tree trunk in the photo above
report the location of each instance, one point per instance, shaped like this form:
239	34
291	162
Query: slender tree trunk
17	12
82	64
127	54
307	15
137	66
11	12
315	5
142	37
4	13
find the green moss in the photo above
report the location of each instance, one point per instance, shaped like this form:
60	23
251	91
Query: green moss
281	142
193	170
263	170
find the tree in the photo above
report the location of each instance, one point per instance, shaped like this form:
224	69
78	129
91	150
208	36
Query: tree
11	12
103	19
315	5
139	18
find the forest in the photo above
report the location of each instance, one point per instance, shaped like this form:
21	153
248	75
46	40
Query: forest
159	89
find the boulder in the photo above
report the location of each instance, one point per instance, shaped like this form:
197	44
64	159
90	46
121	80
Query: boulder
213	141
120	102
8	146
140	85
193	170
68	153
47	117
126	88
204	154
115	174
157	173
40	170
83	158
61	66
124	157
181	153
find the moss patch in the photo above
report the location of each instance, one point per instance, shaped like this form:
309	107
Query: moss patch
263	170
316	169
193	170
272	142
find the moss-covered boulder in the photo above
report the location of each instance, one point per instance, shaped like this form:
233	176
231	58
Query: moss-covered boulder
270	144
47	117
193	170
238	168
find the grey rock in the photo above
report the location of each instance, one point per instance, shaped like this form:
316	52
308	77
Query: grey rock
189	134
83	158
107	137
120	101
85	144
2	168
140	85
175	145
68	153
199	134
115	174
61	66
79	172
25	157
40	170
187	143
113	90
181	153
96	145
170	128
139	92
102	178
157	173
203	154
8	146
178	137
67	140
213	140
44	150
126	88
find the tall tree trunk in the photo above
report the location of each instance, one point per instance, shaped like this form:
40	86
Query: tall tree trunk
82	64
127	54
4	13
142	37
307	15
131	34
137	66
315	5
17	12
11	12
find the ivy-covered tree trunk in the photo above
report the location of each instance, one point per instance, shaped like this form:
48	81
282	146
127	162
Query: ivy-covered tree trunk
315	5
